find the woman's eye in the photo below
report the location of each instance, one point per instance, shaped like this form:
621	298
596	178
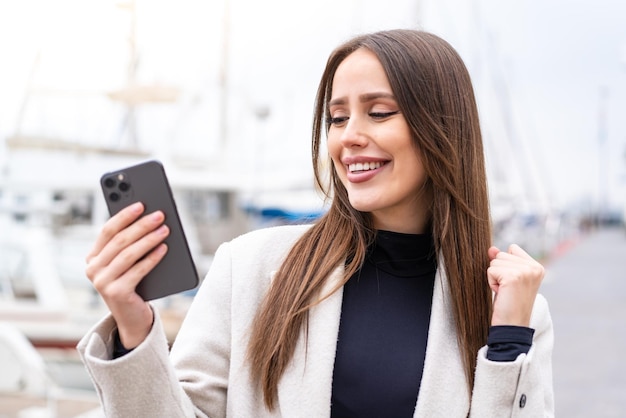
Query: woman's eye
383	115
337	120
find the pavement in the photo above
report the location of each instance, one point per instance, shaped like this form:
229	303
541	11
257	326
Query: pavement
585	285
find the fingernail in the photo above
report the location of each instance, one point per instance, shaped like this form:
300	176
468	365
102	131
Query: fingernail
157	216
162	230
136	207
160	249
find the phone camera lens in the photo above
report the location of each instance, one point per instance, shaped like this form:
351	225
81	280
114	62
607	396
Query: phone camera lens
109	182
124	186
114	197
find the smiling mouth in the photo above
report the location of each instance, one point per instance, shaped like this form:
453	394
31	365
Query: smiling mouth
361	167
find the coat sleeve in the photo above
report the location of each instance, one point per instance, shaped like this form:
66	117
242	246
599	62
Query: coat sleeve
145	381
521	388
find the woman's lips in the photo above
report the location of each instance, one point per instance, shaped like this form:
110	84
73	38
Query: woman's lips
364	171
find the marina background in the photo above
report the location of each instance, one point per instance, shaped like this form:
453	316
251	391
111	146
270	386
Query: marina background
222	93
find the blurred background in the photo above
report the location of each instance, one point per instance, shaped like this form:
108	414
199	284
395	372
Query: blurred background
222	93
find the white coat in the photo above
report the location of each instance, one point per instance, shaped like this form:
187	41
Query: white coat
207	375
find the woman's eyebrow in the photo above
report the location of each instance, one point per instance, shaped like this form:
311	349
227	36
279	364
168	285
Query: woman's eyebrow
364	98
367	97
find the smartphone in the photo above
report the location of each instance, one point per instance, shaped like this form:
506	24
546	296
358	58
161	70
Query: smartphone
148	183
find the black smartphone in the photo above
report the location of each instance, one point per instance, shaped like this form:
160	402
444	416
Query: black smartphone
147	183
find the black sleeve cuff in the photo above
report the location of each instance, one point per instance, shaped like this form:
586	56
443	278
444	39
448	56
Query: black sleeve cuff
118	348
506	342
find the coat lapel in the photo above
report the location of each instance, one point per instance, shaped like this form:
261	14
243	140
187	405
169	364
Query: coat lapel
443	391
305	388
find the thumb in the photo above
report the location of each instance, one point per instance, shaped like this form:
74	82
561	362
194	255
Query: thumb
493	252
518	251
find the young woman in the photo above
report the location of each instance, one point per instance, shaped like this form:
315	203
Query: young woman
393	304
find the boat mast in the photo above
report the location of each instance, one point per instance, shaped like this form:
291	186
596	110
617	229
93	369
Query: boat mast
223	77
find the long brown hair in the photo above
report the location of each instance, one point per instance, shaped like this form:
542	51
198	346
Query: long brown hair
434	93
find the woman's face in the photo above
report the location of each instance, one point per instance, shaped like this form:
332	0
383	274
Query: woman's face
370	144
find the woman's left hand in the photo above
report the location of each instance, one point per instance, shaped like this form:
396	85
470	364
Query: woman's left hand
515	278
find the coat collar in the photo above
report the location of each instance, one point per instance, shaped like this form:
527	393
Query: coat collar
306	386
443	392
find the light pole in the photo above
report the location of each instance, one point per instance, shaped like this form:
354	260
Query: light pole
603	168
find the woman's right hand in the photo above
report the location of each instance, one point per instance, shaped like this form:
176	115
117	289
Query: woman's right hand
116	264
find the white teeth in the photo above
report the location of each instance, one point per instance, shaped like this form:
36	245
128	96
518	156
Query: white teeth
364	166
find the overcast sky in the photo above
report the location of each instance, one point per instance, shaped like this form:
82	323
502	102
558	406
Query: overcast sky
559	56
538	65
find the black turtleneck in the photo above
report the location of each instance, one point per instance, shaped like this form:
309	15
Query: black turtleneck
384	329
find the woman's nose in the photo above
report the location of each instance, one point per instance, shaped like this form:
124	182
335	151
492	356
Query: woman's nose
354	134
